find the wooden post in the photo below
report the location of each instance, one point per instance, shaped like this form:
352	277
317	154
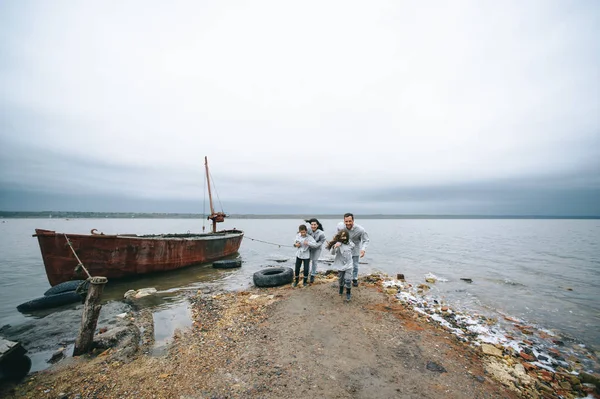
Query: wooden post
89	317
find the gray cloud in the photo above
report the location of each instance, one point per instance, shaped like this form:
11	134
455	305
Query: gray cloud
576	194
465	107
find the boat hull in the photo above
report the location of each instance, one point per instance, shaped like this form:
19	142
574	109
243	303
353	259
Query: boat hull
119	256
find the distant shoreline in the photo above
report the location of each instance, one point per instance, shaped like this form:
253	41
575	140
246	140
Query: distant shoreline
136	215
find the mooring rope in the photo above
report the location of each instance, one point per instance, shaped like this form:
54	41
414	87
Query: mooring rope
77	257
266	242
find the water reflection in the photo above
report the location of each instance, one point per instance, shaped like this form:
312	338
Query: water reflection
188	278
175	317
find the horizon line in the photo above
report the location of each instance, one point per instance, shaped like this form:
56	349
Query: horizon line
74	214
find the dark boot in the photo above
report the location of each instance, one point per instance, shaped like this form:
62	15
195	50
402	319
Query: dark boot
312	279
355	283
295	282
341	289
347	294
305	281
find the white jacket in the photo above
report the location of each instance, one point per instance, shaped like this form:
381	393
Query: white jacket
303	251
343	256
358	236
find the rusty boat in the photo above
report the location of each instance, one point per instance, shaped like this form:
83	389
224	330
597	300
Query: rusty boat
125	255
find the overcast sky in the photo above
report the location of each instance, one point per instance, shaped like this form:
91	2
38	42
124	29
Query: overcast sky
436	107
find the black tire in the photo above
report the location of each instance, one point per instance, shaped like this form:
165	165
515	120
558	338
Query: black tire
273	276
50	301
64	287
227	264
15	369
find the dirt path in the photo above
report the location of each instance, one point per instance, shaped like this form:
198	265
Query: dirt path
314	344
284	343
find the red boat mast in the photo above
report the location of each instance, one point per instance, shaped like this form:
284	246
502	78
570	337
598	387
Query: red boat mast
216	217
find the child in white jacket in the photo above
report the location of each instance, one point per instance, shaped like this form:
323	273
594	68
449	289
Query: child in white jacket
303	242
341	247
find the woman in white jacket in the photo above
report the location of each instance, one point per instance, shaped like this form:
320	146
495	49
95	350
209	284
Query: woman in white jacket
316	231
341	247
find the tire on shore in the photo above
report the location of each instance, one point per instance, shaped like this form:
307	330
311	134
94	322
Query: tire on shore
15	368
227	263
50	301
64	287
273	276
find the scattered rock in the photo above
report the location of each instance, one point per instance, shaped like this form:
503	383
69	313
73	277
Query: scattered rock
432	366
589	379
57	355
500	372
116	336
527	356
491	350
520	373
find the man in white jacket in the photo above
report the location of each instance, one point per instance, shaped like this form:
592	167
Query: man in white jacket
359	237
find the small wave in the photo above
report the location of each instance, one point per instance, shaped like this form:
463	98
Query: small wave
514	283
278	258
432	278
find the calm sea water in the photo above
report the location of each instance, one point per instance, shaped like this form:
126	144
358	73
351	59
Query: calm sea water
546	272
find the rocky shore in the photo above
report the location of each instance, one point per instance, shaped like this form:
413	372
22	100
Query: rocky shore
309	342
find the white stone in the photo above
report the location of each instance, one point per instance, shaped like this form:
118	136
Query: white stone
145	292
142	292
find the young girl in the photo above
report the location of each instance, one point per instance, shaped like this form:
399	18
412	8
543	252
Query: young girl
341	247
303	242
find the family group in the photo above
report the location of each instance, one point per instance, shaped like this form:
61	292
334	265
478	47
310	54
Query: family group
348	245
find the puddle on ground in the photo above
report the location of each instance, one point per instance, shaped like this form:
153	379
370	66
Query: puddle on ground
166	321
41	360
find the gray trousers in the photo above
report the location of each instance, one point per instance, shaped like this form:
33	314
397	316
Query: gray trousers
355	267
344	278
314	259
